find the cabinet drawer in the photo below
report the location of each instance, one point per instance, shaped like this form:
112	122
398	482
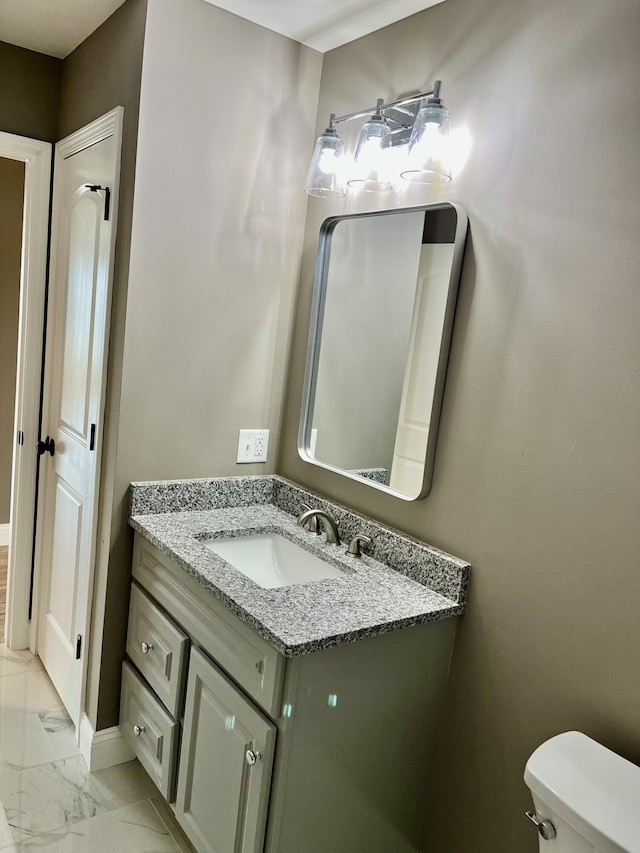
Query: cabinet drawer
150	732
255	665
158	648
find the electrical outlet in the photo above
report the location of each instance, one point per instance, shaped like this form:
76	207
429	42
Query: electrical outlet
253	445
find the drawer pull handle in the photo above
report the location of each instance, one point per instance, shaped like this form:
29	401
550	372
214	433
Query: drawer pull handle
251	757
146	648
137	730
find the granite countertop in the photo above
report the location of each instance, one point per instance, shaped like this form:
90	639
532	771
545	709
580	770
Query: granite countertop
370	598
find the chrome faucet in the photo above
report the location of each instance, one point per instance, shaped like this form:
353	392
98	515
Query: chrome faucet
328	524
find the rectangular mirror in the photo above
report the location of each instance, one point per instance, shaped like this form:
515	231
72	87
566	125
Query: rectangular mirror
383	305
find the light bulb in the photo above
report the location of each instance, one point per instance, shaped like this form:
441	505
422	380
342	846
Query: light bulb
371	161
432	142
328	162
369	154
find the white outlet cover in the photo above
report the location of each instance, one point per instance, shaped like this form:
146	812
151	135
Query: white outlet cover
253	445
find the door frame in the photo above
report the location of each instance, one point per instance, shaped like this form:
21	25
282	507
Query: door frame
36	156
110	124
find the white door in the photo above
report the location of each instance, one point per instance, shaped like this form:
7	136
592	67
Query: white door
416	404
83	234
37	159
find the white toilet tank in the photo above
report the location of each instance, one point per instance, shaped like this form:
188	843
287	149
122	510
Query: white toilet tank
590	795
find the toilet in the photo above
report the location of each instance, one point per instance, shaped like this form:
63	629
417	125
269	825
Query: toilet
587	798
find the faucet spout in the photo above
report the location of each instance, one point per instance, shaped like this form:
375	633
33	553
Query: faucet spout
328	525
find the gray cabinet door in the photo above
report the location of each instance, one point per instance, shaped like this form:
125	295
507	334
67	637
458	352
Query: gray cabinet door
222	799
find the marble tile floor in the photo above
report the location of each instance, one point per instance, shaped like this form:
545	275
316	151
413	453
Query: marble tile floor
49	802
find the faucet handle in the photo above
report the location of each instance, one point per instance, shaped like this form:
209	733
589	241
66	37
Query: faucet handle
311	524
354	545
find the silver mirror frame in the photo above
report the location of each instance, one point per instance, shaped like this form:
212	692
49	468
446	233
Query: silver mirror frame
315	337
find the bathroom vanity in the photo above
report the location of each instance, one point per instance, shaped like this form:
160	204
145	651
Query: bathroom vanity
285	718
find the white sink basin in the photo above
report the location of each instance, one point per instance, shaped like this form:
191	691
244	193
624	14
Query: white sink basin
270	560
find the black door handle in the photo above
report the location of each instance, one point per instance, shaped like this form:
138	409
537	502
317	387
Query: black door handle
46	446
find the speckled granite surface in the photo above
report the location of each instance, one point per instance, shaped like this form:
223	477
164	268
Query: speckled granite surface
377	475
185	495
400	582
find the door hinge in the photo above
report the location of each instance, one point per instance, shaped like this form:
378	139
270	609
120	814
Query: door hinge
20	438
92	439
78	646
107	198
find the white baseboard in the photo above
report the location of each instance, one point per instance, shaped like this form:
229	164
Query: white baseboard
5	534
105	748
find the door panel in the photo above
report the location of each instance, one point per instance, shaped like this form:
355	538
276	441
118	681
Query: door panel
66	535
75	368
83	261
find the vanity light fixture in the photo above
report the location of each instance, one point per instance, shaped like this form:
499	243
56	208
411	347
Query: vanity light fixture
421	122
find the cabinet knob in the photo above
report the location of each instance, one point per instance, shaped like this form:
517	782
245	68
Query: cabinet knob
137	730
251	757
146	648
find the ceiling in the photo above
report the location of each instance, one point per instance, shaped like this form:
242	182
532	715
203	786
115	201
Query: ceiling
324	24
56	27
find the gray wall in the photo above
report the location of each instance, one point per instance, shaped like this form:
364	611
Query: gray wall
11	205
537	471
29	92
102	73
216	241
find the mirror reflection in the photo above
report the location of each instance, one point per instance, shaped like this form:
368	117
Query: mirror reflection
384	299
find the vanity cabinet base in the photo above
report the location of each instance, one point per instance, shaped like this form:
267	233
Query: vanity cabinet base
355	744
328	751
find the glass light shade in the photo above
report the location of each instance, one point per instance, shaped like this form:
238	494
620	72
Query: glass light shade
372	167
428	157
326	170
